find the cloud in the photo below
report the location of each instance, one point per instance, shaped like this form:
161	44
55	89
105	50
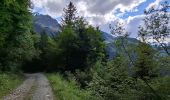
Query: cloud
96	12
53	8
154	4
89	7
133	23
103	7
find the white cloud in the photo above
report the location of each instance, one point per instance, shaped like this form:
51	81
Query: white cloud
154	4
97	12
133	23
129	5
53	8
87	7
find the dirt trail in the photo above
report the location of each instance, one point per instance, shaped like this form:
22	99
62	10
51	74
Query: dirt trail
35	87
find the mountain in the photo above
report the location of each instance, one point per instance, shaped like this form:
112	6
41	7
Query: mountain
45	23
111	48
52	27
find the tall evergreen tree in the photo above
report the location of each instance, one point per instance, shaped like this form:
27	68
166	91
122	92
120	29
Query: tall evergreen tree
69	14
79	44
145	64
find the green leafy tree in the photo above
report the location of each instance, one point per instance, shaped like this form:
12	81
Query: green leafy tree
111	80
15	22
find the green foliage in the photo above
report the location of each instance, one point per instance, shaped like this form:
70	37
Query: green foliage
79	44
67	43
8	82
79	49
17	40
164	66
111	80
145	64
69	14
44	58
123	45
161	85
96	45
68	89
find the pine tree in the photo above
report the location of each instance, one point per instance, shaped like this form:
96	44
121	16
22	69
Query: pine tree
69	14
145	64
80	45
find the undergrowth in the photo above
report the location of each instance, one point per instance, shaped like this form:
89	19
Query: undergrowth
68	89
8	82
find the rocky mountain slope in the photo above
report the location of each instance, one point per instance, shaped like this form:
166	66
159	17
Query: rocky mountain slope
45	23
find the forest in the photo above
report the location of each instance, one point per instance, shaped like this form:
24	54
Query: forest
76	61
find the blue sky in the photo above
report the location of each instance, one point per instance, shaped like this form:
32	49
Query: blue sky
140	9
101	12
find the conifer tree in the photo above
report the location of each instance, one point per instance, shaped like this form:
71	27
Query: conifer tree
69	16
145	63
79	43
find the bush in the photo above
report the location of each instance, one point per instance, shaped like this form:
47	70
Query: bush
8	82
162	86
111	80
68	89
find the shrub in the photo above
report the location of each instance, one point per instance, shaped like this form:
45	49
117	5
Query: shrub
8	82
68	89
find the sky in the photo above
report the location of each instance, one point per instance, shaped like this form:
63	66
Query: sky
100	13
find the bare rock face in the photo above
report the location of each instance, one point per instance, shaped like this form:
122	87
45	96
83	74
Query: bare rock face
46	23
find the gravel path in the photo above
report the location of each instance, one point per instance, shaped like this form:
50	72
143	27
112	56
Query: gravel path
43	91
35	87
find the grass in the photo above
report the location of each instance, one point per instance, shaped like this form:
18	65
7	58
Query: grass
68	90
8	82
